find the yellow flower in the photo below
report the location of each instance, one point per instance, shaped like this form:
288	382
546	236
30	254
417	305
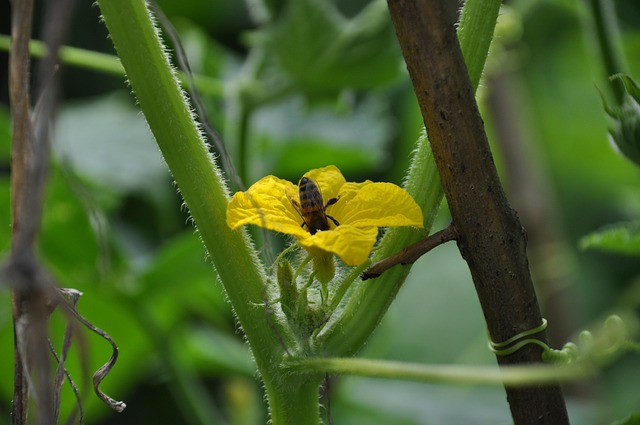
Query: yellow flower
360	209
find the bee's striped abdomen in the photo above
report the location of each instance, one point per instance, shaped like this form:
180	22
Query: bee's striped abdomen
312	206
310	196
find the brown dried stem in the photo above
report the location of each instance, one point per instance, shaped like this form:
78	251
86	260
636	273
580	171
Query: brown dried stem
34	291
489	235
411	253
28	299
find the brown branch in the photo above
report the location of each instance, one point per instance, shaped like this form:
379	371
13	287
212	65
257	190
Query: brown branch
29	300
23	228
34	292
490	237
410	253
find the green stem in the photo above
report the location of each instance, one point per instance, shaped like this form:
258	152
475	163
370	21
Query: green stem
343	286
295	402
73	56
369	301
170	118
475	32
450	374
106	64
607	35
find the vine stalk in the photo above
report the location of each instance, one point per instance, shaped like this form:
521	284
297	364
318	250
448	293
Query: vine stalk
489	235
158	91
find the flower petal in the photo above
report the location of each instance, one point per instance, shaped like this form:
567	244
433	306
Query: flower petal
381	204
352	244
273	203
329	180
266	204
348	191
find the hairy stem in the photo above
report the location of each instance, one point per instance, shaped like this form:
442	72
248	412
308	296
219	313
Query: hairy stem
345	334
449	374
291	401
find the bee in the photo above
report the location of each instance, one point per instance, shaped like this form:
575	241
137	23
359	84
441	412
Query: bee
312	208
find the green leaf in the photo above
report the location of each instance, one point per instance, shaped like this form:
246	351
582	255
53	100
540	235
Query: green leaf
294	137
629	85
107	142
179	275
218	353
303	155
73	247
320	49
631	419
621	238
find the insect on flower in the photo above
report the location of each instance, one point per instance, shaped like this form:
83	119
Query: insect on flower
363	208
311	207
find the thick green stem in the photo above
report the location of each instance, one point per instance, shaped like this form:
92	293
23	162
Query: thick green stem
370	300
176	132
345	334
169	116
475	32
295	402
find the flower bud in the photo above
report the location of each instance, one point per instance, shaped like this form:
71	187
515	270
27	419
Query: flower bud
625	132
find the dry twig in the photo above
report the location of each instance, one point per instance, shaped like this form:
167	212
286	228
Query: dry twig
34	291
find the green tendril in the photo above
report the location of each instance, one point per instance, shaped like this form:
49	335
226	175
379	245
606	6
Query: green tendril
518	341
590	348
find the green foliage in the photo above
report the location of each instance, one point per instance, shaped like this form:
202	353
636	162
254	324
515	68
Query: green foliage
632	419
626	119
292	137
333	93
621	238
322	52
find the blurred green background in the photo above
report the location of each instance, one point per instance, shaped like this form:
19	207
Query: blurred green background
330	89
